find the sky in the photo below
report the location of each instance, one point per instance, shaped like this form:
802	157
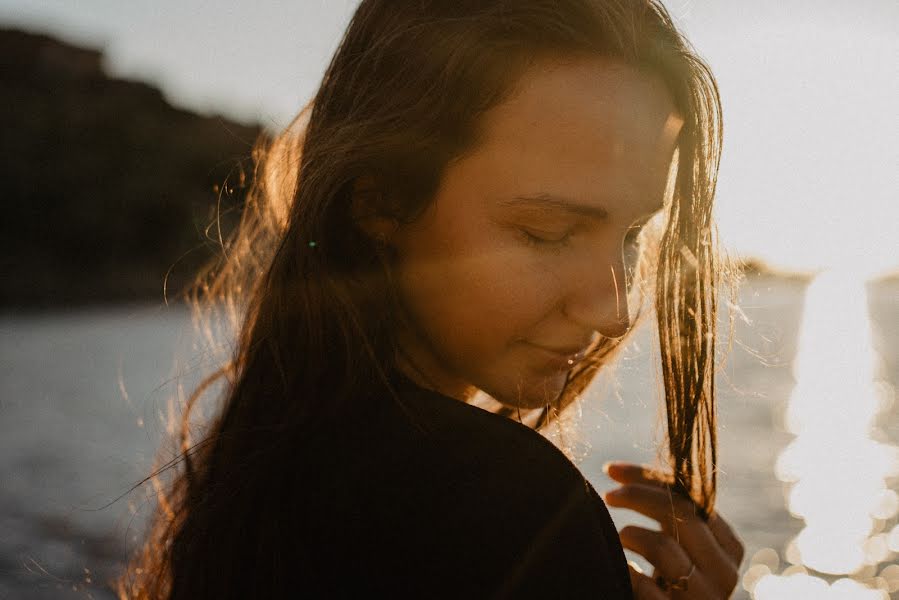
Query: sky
810	172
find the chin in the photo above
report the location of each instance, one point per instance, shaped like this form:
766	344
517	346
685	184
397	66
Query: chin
531	393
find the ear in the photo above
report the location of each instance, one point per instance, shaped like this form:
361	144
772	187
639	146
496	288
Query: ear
370	211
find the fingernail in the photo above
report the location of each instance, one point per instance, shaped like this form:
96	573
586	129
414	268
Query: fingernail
613	494
605	467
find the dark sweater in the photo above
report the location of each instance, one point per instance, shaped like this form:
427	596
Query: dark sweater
474	505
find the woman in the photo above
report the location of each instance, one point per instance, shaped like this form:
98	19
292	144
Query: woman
461	209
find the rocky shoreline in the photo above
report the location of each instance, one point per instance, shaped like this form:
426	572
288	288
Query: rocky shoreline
108	188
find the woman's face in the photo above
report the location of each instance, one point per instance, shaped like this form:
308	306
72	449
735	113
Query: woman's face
518	264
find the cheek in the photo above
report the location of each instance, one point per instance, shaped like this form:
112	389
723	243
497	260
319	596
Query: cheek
473	298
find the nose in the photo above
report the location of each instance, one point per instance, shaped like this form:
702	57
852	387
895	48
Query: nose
598	298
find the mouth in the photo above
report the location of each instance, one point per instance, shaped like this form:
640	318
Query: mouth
561	358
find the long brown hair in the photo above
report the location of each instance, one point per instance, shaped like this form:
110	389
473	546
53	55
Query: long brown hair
307	289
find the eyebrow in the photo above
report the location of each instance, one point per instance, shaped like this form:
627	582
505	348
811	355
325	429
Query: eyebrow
549	202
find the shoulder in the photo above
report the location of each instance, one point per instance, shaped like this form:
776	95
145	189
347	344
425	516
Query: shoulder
467	432
504	444
499	488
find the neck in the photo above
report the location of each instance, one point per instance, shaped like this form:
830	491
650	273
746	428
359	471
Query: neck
424	370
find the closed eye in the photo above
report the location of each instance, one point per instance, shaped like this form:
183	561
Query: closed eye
545	240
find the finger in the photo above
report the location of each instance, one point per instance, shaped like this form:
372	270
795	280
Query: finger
644	587
657	502
669	559
661	550
625	472
681	522
726	536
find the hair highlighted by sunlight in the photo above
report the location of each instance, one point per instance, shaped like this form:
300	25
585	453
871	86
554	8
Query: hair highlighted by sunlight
309	295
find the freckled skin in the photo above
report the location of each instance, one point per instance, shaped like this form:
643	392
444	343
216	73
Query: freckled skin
479	293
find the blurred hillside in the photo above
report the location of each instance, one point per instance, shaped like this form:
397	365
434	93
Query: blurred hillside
106	186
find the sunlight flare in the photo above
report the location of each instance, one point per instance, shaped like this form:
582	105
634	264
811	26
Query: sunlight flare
836	469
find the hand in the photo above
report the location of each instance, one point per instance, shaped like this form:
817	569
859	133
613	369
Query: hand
685	541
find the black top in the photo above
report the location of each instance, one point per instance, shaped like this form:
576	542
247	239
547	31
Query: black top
474	506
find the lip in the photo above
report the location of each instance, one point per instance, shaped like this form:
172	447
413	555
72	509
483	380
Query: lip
563	358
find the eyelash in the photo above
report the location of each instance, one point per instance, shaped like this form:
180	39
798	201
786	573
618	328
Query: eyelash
631	240
539	242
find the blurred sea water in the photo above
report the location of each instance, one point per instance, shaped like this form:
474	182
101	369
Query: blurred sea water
85	397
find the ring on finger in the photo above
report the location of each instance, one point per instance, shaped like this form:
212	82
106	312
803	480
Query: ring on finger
680	584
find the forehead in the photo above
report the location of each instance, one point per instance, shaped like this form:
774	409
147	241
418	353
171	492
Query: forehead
588	129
